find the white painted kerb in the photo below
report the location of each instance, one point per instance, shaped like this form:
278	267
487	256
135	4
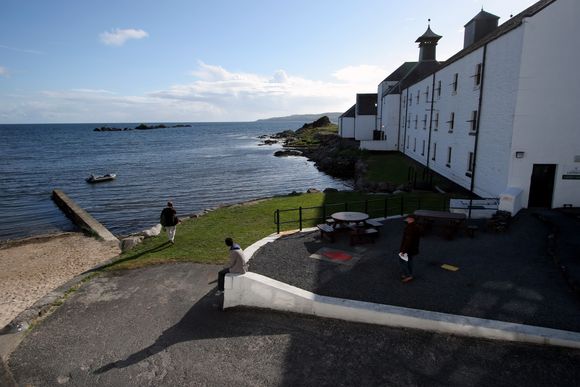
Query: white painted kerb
255	290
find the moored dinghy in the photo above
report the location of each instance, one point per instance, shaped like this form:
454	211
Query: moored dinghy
99	179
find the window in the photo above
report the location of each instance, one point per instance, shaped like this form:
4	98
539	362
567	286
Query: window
434	151
415	144
423	149
425	122
438	89
411	100
470	163
473	122
418	93
451	122
454	84
477	75
436	121
449	150
427	94
408	122
407	142
416	120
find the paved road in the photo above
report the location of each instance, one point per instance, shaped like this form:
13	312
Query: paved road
162	326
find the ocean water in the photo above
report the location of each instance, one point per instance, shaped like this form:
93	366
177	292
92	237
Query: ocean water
196	167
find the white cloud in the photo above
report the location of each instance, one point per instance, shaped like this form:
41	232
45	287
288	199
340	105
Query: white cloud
3	72
214	94
118	37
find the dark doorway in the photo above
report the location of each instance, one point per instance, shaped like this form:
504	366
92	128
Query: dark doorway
542	185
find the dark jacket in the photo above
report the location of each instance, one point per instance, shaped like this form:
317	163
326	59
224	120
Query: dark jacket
168	217
410	242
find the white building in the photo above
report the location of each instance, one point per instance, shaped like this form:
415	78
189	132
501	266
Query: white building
501	117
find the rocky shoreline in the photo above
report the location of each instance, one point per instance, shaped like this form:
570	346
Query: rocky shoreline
139	127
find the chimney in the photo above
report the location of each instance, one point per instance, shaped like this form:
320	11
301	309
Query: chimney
482	24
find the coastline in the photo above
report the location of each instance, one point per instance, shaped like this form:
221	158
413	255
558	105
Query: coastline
32	267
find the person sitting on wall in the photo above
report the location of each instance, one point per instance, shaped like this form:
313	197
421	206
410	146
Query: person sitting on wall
238	264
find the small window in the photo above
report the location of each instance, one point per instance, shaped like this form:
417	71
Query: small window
427	94
407	142
423	149
451	121
436	121
415	144
410	100
473	122
454	84
449	150
477	75
409	122
434	151
416	120
470	163
418	93
425	122
438	89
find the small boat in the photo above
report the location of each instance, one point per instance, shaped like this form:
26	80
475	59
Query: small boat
99	179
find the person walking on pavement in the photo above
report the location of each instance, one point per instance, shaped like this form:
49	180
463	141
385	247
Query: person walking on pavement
238	264
169	220
409	248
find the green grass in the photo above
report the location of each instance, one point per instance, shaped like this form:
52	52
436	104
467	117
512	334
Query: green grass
309	137
202	239
391	167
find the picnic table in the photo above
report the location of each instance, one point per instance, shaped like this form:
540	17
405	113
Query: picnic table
450	222
352	222
349	217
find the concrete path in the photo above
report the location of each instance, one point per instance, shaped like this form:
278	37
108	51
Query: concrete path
163	326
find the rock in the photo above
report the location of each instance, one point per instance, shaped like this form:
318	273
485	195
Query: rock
312	190
130	242
294	193
153	231
327	190
287	152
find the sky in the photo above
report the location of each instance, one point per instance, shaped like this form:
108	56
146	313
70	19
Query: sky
115	61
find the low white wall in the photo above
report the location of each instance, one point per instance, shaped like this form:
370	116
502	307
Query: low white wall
255	290
373	145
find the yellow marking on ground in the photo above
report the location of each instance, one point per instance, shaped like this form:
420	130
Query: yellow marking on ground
449	267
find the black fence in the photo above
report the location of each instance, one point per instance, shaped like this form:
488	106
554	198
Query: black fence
376	208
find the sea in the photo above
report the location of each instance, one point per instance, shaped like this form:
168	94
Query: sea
199	167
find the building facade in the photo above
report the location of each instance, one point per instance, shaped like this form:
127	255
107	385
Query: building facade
500	118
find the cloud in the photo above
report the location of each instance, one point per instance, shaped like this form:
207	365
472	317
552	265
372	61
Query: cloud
214	94
118	37
3	72
23	50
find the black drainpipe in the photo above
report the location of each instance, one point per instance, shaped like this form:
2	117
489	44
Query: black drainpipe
477	131
406	110
430	121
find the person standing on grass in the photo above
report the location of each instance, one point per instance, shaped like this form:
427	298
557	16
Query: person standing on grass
409	248
238	263
169	220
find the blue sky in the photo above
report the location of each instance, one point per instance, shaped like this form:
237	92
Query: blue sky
151	61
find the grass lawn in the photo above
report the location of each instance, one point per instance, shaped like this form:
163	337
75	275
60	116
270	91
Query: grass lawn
201	239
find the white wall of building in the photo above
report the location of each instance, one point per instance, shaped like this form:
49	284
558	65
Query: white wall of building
547	114
391	107
346	127
364	126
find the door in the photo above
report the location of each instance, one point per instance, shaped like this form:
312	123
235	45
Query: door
542	185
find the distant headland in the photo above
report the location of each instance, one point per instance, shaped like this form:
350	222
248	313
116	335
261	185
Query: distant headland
333	117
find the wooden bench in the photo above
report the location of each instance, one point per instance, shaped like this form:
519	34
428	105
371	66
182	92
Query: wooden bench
363	235
326	231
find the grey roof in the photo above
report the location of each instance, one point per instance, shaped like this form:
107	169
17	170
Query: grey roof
400	73
366	104
418	72
503	29
483	16
428	36
349	112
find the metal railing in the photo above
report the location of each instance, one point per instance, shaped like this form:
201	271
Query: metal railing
384	207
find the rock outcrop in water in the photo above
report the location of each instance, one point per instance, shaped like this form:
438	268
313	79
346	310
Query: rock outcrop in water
139	127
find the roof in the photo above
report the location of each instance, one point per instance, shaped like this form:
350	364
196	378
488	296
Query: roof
428	36
418	72
349	112
503	29
366	104
400	73
482	16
